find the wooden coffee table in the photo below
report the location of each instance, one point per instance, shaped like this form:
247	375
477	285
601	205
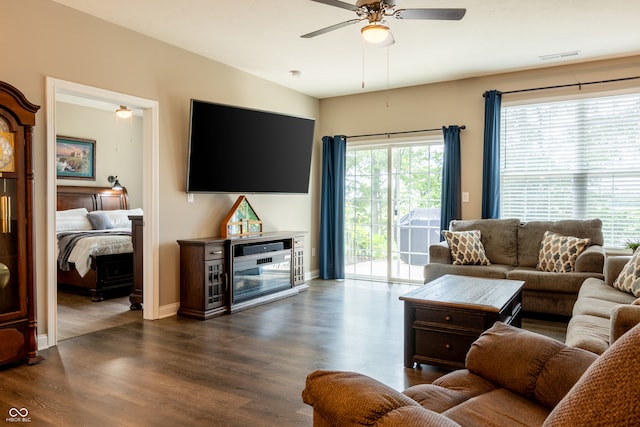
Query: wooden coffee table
444	317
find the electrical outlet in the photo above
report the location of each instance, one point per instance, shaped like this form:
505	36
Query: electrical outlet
465	197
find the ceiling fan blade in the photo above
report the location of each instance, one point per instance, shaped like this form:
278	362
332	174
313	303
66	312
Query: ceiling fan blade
444	14
337	3
330	28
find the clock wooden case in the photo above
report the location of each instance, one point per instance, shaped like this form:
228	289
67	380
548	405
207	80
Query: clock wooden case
18	325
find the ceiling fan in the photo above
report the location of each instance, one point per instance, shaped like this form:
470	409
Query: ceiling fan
376	31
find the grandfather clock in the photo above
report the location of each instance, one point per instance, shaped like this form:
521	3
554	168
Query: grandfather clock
18	325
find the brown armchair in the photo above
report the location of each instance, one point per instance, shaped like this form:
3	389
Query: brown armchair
512	377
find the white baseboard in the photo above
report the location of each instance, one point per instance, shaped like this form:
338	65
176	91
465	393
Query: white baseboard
168	310
43	342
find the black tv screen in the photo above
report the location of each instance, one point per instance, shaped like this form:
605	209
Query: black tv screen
239	150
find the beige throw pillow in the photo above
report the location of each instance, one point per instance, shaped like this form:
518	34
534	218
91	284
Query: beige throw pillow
558	253
466	247
629	278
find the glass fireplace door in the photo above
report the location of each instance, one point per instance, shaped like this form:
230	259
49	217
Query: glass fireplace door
261	274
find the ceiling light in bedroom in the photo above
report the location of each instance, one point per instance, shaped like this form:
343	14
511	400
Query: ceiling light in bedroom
123	112
114	180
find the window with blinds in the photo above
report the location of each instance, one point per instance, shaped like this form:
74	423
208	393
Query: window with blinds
576	159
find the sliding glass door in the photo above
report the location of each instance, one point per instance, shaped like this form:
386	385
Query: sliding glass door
366	212
392	210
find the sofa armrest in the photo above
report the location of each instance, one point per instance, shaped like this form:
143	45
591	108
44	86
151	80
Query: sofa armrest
613	266
349	398
591	260
623	318
538	367
440	253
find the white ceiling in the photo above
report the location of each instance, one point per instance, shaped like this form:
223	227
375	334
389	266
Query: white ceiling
262	37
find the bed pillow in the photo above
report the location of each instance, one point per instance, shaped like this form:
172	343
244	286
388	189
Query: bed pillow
558	253
72	220
99	221
120	217
466	247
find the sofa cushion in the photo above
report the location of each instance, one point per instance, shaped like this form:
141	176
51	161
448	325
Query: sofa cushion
493	271
558	253
598	289
593	307
629	279
499	237
588	332
530	235
466	247
338	398
498	407
449	390
548	282
539	367
349	398
608	393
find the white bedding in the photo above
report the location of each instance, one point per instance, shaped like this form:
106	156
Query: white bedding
99	245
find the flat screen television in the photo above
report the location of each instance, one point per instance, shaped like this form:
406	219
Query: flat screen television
240	150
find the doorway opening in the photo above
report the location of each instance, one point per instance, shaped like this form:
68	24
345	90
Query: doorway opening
150	147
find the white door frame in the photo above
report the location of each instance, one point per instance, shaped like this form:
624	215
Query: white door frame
150	200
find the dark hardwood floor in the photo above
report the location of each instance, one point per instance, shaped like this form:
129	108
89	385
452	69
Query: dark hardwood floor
78	315
246	369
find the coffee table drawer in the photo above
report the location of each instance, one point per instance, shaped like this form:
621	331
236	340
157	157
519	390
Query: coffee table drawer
450	317
442	347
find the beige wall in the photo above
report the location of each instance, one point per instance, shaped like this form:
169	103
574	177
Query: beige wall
461	103
118	146
43	39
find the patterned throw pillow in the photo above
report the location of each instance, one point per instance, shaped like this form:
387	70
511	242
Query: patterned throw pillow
466	247
629	278
558	253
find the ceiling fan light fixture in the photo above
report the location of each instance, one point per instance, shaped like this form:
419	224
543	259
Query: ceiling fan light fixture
375	33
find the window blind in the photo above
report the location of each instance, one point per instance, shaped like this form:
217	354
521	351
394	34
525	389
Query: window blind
576	159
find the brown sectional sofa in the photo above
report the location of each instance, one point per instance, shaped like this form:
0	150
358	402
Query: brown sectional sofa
513	248
602	313
512	377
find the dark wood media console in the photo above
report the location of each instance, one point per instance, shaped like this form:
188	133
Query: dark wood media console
222	275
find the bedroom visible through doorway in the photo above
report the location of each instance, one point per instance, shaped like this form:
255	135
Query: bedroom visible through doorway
150	199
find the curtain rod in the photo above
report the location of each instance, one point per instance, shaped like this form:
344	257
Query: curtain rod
570	85
388	134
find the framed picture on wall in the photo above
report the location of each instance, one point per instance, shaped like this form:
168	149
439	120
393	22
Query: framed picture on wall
75	158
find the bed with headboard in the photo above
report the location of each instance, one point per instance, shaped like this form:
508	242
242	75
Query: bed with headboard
101	258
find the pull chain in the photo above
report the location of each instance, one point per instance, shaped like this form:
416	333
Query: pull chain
362	45
387	77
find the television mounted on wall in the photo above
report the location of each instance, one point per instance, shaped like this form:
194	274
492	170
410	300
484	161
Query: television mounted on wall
240	150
